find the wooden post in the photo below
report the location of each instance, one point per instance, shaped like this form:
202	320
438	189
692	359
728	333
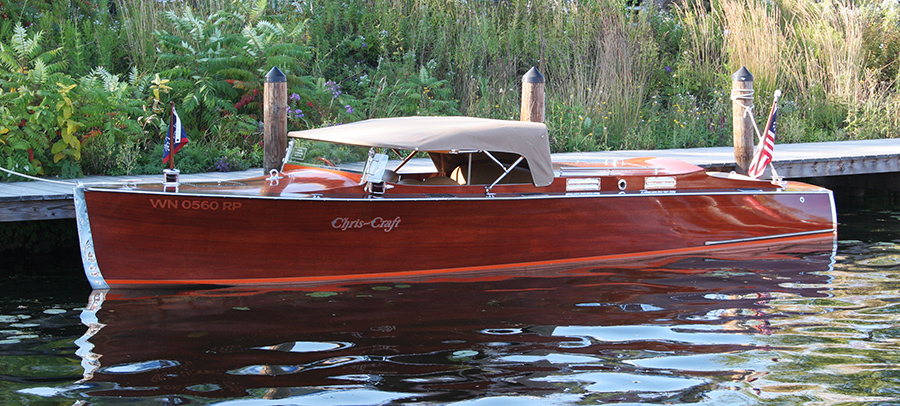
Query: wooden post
532	97
274	120
742	120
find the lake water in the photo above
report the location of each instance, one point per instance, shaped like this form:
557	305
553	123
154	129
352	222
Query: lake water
813	323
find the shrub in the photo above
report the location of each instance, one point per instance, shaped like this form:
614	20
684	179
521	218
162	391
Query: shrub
37	112
214	64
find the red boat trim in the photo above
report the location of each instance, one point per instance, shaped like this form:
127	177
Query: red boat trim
769	237
394	275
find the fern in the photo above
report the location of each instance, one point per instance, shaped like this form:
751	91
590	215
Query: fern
23	49
23	46
216	63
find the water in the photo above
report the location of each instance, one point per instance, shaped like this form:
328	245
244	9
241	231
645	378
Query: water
804	324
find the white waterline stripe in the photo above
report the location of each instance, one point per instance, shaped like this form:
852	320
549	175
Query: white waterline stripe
770	237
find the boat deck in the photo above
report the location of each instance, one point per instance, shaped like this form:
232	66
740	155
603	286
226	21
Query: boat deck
25	201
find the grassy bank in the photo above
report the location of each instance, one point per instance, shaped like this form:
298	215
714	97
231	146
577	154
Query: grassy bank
86	83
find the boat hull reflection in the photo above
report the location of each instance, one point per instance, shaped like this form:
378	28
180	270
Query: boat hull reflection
441	341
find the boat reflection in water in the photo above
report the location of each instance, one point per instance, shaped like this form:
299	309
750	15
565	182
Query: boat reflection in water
668	329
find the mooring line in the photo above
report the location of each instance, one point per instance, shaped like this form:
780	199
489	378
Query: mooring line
37	178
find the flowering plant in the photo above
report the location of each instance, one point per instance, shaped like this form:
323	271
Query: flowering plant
314	104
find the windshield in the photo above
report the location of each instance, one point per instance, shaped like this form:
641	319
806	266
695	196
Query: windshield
352	157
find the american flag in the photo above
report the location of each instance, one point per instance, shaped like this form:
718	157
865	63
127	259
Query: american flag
763	155
181	138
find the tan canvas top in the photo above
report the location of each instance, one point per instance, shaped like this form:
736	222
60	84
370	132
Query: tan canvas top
444	134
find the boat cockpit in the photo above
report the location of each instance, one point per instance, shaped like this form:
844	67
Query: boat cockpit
452	168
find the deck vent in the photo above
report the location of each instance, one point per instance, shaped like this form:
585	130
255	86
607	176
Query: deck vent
582	184
659	182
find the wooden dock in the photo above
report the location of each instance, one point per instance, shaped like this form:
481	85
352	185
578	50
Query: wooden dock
792	161
33	200
25	201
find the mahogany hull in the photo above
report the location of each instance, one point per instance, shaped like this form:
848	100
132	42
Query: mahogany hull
142	238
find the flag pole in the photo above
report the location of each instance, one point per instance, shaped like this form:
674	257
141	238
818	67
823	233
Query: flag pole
171	135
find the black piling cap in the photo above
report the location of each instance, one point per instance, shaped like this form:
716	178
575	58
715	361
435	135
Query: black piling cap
742	75
275	75
533	76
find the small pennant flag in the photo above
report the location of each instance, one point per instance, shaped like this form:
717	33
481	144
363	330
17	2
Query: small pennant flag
181	138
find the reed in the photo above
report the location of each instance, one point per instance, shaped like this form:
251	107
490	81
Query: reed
141	19
594	54
606	68
814	51
703	48
755	39
827	37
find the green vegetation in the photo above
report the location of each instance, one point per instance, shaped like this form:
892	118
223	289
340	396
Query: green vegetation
85	84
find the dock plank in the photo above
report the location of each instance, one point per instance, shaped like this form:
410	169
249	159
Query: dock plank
41	189
18	191
50	209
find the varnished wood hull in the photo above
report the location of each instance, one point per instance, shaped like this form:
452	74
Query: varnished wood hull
142	238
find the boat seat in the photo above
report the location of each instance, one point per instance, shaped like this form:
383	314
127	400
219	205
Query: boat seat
485	173
434	180
440	180
390	176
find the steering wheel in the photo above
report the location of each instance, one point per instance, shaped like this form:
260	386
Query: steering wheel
327	162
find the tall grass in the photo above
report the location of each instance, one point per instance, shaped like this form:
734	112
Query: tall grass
827	37
815	51
141	18
596	57
604	61
703	47
618	76
755	39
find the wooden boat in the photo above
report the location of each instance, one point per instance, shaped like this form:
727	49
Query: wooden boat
494	200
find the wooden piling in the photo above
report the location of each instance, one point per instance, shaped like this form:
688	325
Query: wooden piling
532	96
274	120
742	120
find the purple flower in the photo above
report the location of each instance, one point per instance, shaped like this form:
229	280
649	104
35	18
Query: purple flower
668	69
222	165
349	109
334	88
295	96
297	113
